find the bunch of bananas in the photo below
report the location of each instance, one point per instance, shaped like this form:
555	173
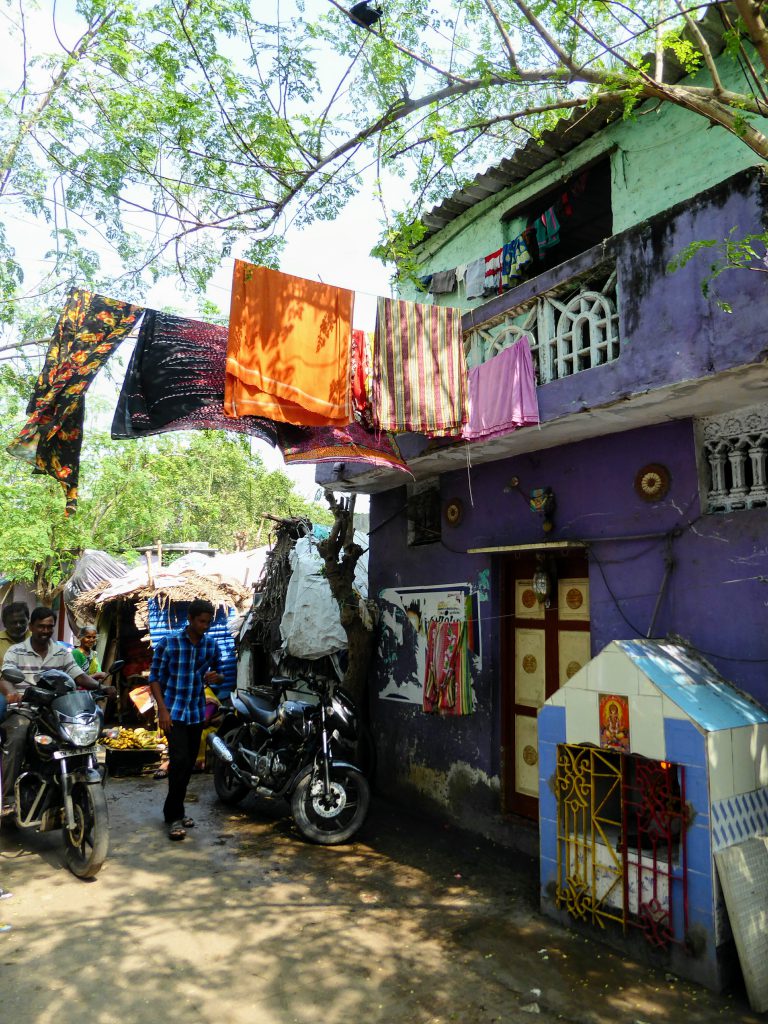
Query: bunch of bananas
131	739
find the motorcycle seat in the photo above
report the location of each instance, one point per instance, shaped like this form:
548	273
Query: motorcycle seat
259	709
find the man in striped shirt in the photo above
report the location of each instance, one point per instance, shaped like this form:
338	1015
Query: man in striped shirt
184	663
32	657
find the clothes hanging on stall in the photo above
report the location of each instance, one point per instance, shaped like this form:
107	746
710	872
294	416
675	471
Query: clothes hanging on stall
419	369
289	348
88	331
502	394
339	444
175	381
447	688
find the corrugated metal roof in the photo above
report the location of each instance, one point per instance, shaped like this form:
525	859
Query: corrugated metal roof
570	132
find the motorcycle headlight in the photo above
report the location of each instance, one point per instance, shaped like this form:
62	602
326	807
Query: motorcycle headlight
80	734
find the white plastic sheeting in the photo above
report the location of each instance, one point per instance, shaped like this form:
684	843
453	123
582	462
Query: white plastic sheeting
92	568
242	567
310	626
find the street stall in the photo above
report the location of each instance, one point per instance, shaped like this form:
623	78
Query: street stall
132	613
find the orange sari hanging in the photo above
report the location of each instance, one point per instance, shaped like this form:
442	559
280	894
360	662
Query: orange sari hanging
289	348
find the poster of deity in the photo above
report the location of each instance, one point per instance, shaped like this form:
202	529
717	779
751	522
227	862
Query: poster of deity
614	722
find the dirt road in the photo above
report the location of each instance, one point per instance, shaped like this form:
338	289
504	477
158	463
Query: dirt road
243	922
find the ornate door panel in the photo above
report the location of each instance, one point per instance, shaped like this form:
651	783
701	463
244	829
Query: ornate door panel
542	647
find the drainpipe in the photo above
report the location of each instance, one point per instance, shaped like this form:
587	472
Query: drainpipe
669	564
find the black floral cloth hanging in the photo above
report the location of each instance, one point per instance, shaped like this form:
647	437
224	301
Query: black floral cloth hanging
88	331
175	381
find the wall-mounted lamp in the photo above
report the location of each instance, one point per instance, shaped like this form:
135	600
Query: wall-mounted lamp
363	15
541	500
542	584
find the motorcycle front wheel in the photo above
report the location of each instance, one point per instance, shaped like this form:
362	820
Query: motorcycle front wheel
229	789
334	817
87	844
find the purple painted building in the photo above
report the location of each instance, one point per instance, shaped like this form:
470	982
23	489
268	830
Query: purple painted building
637	509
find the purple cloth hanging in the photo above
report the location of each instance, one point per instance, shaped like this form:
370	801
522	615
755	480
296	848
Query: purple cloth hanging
502	394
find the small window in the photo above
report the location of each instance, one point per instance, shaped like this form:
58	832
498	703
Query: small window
582	205
424	521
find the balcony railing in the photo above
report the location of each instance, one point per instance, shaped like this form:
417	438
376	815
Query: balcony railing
573	326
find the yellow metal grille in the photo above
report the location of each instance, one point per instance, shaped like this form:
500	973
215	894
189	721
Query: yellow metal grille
590	871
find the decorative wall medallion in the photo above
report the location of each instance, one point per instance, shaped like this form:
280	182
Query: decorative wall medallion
454	512
530	755
529	664
572	668
528	598
574	598
652	482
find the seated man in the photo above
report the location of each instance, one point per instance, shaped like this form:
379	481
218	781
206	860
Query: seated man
15	626
32	657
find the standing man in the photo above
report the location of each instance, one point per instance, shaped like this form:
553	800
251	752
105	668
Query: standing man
184	663
31	657
15	626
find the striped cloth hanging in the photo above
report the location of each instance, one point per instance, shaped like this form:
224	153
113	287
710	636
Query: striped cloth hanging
419	369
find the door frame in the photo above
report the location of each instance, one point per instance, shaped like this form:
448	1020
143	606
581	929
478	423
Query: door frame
572	562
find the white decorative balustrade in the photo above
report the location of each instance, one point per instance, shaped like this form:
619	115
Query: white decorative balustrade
573	327
734	448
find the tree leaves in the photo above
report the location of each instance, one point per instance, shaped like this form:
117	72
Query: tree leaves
177	134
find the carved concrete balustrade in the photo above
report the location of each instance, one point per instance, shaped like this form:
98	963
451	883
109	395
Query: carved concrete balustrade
735	449
574	327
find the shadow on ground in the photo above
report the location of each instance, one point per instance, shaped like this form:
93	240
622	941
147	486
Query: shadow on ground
413	922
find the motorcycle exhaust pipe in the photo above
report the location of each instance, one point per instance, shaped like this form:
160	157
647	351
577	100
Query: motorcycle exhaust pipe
221	750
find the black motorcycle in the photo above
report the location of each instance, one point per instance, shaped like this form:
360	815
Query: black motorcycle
289	750
60	785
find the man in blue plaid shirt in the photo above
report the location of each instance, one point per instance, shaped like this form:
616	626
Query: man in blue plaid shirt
183	664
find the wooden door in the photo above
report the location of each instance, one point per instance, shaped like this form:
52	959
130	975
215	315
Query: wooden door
542	647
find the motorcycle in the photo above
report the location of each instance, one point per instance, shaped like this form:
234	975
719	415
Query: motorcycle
285	749
60	785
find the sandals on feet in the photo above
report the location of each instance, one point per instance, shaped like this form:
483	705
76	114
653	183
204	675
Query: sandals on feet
176	830
188	822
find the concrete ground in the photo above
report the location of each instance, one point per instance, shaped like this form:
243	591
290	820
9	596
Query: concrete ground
245	922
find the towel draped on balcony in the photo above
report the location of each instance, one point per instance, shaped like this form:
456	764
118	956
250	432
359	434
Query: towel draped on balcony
502	394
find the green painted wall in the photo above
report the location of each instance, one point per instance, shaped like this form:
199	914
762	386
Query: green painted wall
659	157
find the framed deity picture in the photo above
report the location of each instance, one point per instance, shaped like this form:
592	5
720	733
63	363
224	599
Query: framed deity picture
614	722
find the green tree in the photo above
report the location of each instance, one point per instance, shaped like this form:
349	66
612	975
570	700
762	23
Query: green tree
207	486
176	132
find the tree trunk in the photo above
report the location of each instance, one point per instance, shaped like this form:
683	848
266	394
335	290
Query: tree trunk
340	555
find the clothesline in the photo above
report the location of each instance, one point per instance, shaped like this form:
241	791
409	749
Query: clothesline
289	368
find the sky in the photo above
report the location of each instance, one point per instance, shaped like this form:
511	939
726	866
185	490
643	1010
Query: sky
336	252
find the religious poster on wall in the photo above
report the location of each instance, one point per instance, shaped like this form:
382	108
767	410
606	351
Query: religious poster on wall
614	722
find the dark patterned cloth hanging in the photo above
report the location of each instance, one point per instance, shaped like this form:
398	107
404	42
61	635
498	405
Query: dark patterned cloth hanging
88	331
339	444
175	381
